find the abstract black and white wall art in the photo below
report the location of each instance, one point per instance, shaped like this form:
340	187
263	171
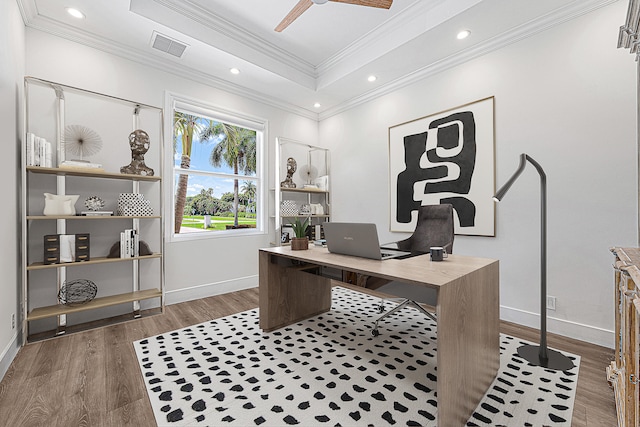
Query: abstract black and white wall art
446	157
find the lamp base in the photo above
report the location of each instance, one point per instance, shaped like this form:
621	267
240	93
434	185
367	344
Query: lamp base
555	360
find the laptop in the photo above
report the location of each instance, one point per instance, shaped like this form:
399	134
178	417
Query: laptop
357	239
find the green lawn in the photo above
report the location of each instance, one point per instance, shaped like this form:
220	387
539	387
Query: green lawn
217	222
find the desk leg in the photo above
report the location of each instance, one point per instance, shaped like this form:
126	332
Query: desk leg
289	294
468	312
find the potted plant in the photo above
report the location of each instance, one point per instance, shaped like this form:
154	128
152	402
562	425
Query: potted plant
300	241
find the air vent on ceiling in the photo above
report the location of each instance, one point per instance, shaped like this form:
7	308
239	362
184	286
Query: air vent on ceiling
167	44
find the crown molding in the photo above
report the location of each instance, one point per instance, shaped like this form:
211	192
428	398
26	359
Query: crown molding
531	28
420	17
28	10
575	9
229	29
216	31
67	32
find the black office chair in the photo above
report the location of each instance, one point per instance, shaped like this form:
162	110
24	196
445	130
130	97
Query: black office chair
433	228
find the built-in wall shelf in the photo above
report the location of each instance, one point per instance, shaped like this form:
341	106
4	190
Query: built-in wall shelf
108	301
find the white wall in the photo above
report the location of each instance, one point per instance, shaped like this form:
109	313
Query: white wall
12	41
564	96
567	98
195	268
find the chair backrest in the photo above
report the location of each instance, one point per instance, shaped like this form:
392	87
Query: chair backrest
433	228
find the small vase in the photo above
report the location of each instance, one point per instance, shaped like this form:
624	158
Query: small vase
64	204
299	243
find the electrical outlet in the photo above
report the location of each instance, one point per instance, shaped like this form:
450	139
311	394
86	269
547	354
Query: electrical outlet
551	303
13	321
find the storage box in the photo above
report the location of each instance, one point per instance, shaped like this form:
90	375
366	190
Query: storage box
61	248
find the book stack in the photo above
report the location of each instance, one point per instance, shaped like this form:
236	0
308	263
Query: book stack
38	151
82	165
96	213
129	244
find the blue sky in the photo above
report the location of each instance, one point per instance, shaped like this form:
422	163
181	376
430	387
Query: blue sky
200	153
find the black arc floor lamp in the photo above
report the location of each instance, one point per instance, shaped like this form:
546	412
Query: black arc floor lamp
539	355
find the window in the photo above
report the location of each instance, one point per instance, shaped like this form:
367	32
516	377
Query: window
217	186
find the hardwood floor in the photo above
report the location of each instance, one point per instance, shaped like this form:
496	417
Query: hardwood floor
92	378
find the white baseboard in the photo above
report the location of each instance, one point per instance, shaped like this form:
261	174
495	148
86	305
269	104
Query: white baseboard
210	289
562	327
8	354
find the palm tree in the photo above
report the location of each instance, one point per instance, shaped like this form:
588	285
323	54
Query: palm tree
249	189
237	147
184	126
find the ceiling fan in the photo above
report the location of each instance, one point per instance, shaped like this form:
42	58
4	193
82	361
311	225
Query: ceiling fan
303	5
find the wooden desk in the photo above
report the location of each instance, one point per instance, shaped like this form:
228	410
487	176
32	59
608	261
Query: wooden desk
468	311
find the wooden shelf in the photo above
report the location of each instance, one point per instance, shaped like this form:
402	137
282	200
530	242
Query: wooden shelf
97	260
305	216
89	173
303	190
83	217
60	309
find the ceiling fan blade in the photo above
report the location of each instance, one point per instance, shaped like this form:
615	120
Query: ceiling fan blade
383	4
297	10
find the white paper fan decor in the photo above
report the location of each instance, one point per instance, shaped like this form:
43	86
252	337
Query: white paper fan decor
81	141
308	172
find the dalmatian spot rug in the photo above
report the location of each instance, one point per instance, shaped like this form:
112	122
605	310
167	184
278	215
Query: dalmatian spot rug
331	371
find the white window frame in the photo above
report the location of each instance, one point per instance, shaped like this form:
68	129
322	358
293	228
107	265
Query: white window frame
201	108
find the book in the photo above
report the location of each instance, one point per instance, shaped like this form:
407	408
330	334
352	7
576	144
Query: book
320	242
122	245
129	244
39	151
96	213
30	147
80	164
47	163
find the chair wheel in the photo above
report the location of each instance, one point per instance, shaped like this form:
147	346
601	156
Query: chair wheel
375	332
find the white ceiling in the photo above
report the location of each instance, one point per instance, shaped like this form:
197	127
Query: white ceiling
325	56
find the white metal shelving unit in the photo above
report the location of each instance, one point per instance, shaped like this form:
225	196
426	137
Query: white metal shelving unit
312	162
33	220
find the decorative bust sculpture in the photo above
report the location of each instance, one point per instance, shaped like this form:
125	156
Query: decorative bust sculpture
291	168
139	144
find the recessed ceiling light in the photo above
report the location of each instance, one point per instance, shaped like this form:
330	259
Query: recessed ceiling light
317	105
234	71
372	78
75	13
463	34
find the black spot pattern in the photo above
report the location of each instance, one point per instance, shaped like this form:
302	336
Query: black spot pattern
526	393
329	370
